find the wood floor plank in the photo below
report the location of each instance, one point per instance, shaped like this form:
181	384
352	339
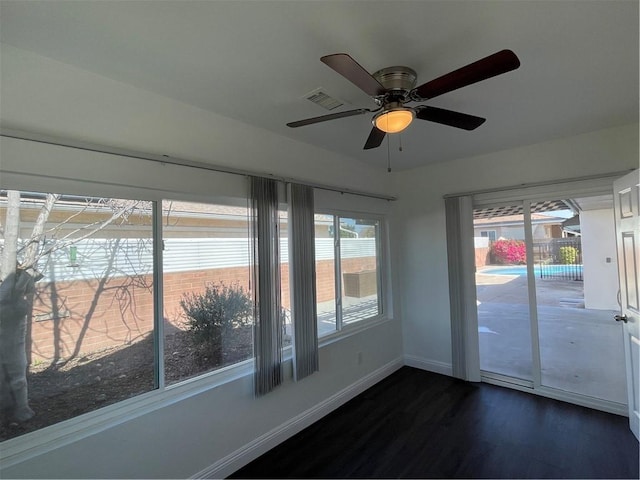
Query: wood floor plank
418	424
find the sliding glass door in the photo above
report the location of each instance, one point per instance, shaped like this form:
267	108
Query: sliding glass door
504	325
576	285
546	284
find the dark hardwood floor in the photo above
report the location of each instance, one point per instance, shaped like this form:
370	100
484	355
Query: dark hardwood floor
417	424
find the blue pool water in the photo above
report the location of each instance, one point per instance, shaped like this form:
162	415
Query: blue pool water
547	269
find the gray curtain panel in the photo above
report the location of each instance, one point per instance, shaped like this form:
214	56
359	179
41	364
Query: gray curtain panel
462	288
268	322
302	264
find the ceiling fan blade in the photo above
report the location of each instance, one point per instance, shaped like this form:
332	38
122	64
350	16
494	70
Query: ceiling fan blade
375	139
324	118
354	72
447	117
501	62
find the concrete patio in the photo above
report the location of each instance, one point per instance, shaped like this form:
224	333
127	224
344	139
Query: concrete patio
581	349
353	310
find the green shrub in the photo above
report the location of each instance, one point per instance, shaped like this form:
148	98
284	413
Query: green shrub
217	313
568	255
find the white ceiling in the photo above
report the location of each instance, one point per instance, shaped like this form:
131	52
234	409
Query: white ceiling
254	61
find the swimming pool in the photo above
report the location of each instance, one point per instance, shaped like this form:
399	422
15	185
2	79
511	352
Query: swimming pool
546	270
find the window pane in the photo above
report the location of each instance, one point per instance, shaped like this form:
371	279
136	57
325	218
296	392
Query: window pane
89	323
577	296
285	297
207	305
359	267
504	327
325	274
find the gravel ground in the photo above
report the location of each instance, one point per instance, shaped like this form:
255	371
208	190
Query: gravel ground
83	384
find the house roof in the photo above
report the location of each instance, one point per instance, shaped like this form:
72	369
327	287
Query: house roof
72	202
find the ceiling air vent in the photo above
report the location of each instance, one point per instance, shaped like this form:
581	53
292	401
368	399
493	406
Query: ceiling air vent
322	98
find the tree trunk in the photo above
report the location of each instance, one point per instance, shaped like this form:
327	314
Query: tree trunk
16	291
9	260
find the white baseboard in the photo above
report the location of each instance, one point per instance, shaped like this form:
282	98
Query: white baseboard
429	365
238	459
557	394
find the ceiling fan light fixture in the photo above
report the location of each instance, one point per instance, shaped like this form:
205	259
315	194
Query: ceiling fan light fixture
394	120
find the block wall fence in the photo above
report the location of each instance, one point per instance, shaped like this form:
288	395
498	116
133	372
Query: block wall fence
71	318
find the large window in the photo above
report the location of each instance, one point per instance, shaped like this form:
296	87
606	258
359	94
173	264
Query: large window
206	298
81	314
77	314
348	285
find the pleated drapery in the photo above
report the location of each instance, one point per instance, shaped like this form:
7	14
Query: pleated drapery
462	289
302	263
268	322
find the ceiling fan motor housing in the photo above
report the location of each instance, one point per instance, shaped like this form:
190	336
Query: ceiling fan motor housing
398	81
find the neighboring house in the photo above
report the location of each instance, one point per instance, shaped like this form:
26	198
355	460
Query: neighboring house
489	226
512	227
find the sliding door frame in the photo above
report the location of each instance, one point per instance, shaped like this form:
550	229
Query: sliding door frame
525	195
536	362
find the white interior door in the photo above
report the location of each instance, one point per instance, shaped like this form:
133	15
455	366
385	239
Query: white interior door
626	200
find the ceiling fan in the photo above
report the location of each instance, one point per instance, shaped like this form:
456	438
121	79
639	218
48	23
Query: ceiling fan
393	87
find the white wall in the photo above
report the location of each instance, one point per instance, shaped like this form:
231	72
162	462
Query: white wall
183	438
598	245
209	428
44	96
419	221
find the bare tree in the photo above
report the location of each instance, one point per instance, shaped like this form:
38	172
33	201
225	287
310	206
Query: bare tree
19	270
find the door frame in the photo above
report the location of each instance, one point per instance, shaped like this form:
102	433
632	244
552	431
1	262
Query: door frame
588	186
627	225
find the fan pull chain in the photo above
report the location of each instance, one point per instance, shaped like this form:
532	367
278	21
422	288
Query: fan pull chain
400	142
388	155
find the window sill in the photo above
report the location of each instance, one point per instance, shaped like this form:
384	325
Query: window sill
19	449
352	329
29	445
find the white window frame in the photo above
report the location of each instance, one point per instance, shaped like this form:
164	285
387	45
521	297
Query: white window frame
488	234
17	449
40	163
162	394
383	314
